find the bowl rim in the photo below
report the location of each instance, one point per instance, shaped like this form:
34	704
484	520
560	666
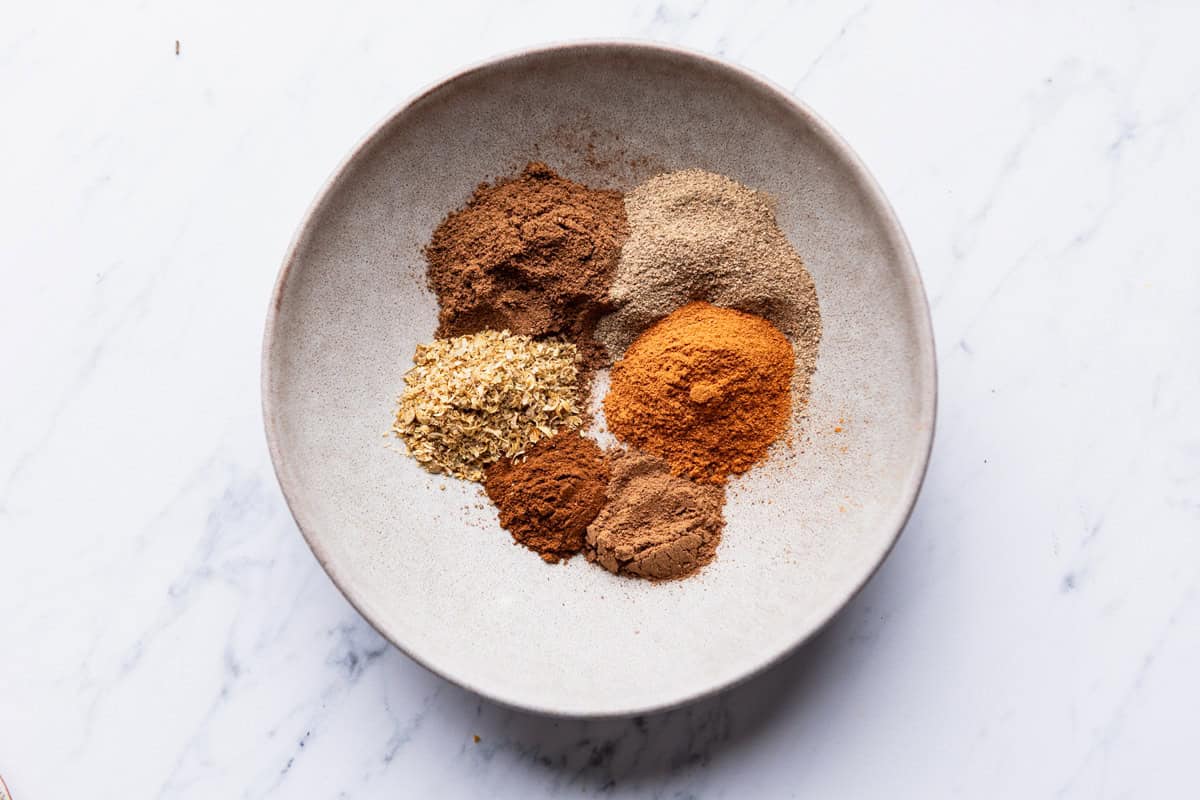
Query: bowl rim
907	266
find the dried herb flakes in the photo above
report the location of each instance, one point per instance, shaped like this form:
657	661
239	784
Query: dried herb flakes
471	400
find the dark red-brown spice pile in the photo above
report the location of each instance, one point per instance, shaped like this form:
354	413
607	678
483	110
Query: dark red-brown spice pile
547	501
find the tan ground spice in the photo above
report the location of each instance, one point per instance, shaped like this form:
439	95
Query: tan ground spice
655	525
706	388
547	500
534	254
471	400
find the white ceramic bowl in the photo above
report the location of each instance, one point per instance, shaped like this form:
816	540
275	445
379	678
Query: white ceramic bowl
429	566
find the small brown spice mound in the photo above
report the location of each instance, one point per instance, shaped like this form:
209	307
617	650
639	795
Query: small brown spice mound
547	500
706	388
655	525
534	254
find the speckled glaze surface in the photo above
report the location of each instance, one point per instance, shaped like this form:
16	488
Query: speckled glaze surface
423	558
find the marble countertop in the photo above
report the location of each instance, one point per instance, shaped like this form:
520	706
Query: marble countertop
167	633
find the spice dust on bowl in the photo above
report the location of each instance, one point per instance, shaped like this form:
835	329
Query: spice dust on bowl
652	407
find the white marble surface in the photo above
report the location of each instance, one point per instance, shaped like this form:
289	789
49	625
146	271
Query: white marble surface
165	631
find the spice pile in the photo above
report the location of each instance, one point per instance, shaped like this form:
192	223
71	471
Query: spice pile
474	399
533	255
547	500
655	525
706	389
688	282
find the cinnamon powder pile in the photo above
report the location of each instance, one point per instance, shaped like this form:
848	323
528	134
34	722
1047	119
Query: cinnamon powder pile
547	500
655	525
534	254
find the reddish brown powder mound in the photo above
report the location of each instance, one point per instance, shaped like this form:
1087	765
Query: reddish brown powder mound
534	254
548	500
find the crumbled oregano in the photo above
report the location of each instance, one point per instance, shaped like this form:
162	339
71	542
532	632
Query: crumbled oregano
471	400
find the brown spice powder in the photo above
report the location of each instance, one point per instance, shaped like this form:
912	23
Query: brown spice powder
534	254
547	500
655	525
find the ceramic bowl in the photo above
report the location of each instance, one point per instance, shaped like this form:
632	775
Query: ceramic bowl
423	558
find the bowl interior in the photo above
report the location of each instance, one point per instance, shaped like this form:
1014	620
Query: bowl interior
423	557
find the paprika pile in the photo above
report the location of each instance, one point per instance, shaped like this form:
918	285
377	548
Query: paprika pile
706	388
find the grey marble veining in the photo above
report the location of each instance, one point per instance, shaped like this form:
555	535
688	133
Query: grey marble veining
166	632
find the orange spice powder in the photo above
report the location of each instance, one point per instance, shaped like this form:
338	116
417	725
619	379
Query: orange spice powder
706	388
